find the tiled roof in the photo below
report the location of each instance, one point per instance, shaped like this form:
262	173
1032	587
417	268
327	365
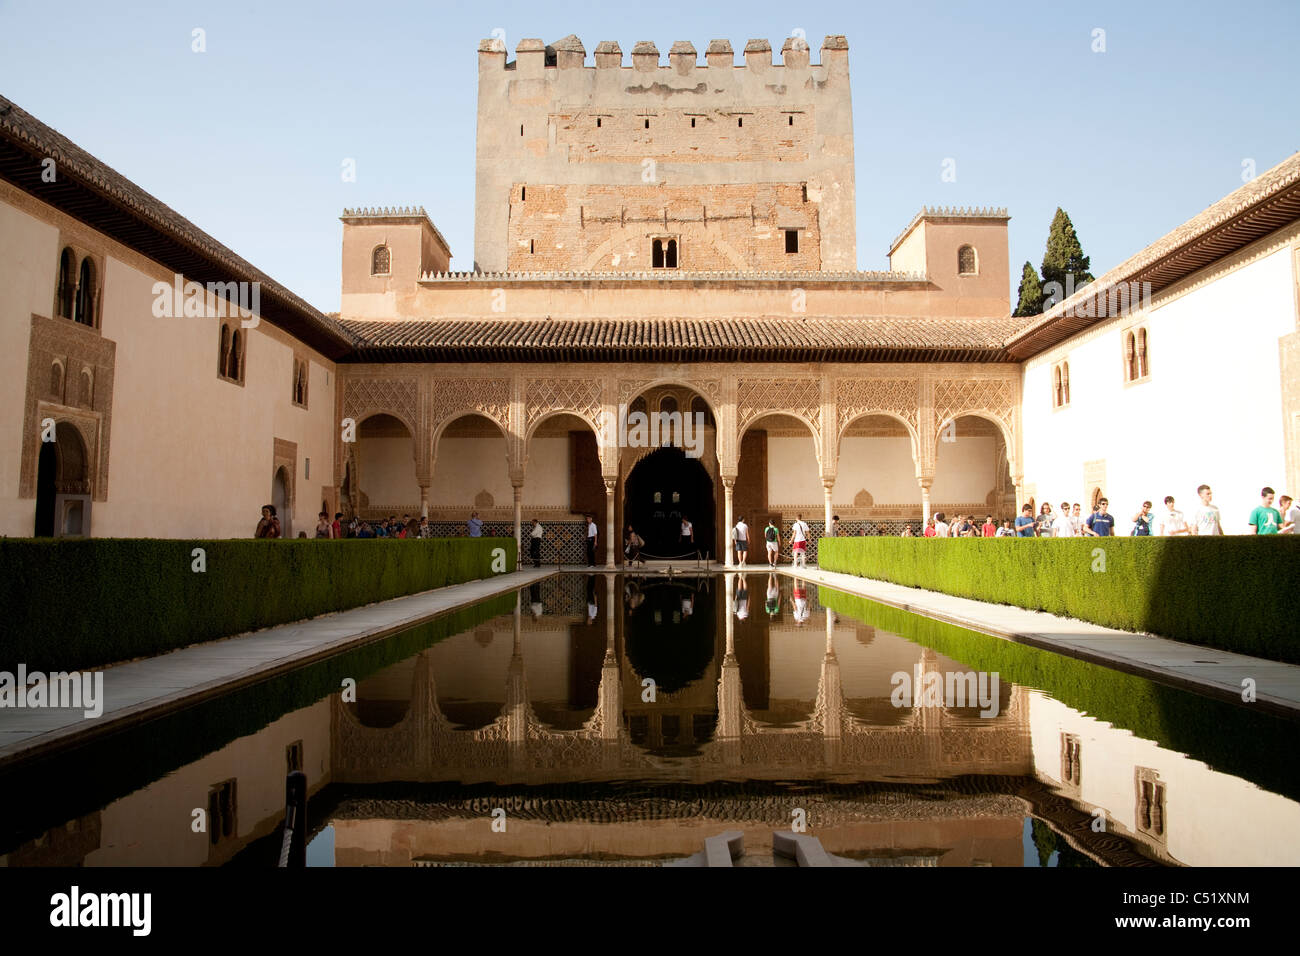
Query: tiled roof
1263	205
104	199
682	340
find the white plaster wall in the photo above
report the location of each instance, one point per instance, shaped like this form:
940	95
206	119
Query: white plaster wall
792	473
546	483
964	470
29	250
882	466
1211	819
387	468
466	466
1210	413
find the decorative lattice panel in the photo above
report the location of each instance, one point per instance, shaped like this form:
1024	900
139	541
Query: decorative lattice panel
802	397
369	396
581	397
898	396
953	397
489	397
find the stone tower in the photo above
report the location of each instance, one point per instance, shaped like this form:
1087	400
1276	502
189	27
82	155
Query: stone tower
686	166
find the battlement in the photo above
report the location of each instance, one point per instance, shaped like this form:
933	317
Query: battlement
951	212
685	277
569	53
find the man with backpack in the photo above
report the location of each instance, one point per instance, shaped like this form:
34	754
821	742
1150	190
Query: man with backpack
772	536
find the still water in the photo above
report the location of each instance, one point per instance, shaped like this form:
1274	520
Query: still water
621	720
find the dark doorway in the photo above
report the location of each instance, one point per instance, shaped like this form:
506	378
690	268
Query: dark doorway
664	486
46	472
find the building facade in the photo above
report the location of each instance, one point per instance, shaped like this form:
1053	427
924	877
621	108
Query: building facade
655	245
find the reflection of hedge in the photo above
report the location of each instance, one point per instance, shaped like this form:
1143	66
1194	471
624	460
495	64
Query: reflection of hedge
84	603
73	783
1230	738
1230	592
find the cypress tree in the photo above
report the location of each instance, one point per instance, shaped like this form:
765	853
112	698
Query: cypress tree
1030	300
1064	256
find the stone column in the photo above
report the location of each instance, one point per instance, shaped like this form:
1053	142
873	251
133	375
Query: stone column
925	501
519	519
424	499
728	518
828	484
611	542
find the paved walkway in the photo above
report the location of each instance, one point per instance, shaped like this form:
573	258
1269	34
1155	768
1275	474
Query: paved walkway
1205	670
143	689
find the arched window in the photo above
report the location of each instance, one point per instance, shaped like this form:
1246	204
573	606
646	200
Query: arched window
67	283
300	382
657	254
84	311
1142	353
663	254
1065	381
1130	357
86	399
235	368
966	261
56	382
1057	395
380	261
670	255
668	404
223	355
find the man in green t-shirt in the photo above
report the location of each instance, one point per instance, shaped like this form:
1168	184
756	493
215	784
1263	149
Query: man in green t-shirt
1266	519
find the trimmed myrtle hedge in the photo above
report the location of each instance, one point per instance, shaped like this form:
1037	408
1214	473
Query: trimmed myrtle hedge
1232	592
1231	738
83	603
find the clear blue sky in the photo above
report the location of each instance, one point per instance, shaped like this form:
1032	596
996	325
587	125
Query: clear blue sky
247	139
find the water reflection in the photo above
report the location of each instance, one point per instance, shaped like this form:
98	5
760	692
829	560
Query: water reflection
629	717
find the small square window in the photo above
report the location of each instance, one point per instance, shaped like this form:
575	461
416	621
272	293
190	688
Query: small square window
791	241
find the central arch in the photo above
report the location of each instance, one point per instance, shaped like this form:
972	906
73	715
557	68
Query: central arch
662	488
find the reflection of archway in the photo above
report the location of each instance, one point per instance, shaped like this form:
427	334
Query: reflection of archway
663	487
62	485
283	502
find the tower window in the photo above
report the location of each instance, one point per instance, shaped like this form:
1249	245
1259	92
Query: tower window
692	122
67	284
523	193
1135	355
740	121
663	254
521	129
597	122
966	261
532	246
381	261
647	124
791	241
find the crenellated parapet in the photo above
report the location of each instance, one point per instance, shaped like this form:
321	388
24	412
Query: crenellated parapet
570	53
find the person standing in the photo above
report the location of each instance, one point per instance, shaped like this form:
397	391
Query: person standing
1171	523
1205	519
1290	515
687	539
742	597
632	546
740	538
906	532
323	528
535	543
773	606
1006	530
772	538
1143	520
940	526
1101	523
799	543
1265	519
1064	527
475	526
1025	524
1046	520
930	531
988	529
426	529
835	526
591	541
336	528
269	526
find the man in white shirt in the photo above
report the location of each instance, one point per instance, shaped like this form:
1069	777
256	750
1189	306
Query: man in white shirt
940	526
591	541
1205	519
740	538
1172	522
1290	515
799	542
1064	525
687	540
535	543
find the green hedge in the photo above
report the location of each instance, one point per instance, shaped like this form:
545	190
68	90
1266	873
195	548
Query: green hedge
83	603
1231	738
1235	592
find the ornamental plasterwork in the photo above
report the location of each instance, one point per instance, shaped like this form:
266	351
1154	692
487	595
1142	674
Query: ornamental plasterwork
757	397
855	397
581	397
363	397
953	397
489	397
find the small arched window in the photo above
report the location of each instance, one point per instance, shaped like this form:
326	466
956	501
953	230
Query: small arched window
84	312
966	264
1065	381
1142	353
381	261
1057	395
235	368
87	397
56	382
1130	357
67	283
668	404
223	353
